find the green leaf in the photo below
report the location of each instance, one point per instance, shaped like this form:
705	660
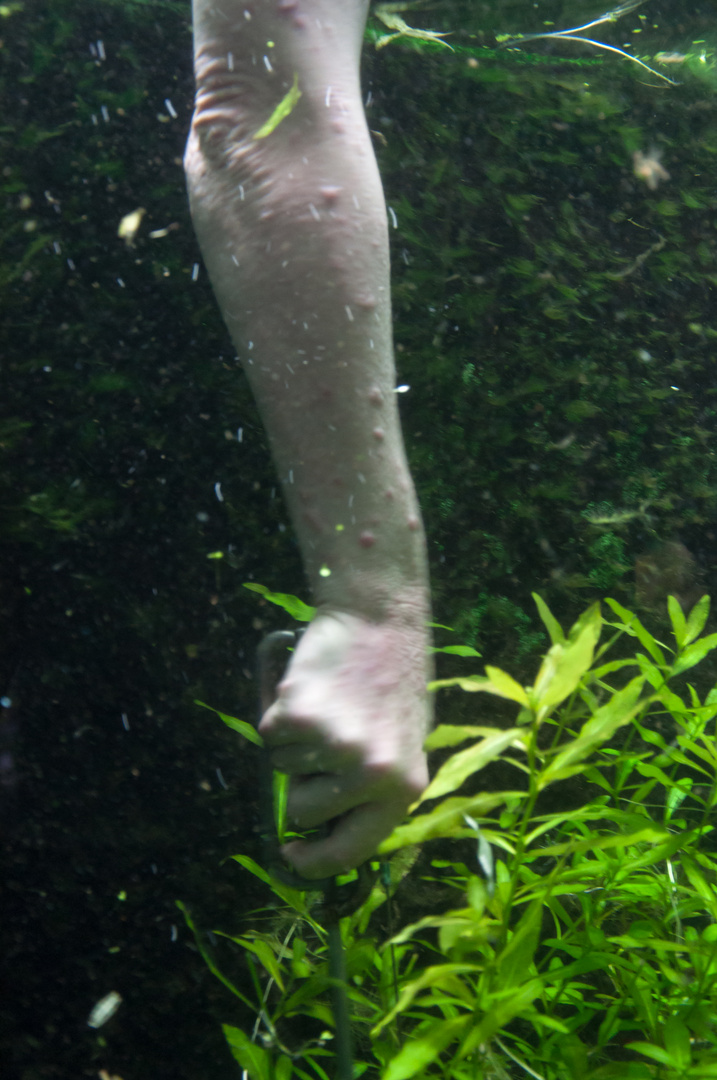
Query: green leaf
694	653
652	835
436	975
471	683
634	627
295	607
241	726
696	619
452	734
651	1051
502	1010
293	897
677	618
466	762
207	957
456	650
416	1054
552	625
566	663
445	820
254	942
255	1059
677	1042
505	686
616	713
517	956
282	110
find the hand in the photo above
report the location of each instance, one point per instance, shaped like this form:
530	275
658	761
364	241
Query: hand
348	727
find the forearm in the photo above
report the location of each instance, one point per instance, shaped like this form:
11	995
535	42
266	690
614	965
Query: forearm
293	231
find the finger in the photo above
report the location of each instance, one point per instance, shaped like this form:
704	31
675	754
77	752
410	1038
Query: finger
353	840
316	799
278	727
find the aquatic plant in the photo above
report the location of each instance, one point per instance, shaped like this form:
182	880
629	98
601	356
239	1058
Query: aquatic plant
575	34
569	926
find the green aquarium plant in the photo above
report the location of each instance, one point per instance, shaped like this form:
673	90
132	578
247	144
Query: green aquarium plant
571	921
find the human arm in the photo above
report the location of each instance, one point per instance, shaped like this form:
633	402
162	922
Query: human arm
293	231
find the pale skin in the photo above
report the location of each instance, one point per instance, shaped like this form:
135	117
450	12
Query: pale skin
294	234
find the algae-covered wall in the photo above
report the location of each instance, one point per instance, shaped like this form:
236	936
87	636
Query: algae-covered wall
553	224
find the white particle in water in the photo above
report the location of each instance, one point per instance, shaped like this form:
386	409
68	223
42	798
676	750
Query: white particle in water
218	492
170	108
195	271
240	434
394	219
230	61
125	721
105	113
104	1009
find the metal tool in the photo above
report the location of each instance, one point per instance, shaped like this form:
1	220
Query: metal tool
339	900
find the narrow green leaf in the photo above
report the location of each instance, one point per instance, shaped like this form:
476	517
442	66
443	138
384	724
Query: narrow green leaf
566	663
255	1059
248	731
207	957
466	762
652	1051
635	628
436	975
696	619
552	625
677	618
505	686
295	607
416	1054
694	653
617	712
471	683
282	110
517	956
456	650
501	1012
617	840
452	734
263	952
446	820
677	1041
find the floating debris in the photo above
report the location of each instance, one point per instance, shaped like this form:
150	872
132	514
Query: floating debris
105	1009
649	167
129	225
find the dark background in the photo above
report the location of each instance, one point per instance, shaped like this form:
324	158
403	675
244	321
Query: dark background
560	423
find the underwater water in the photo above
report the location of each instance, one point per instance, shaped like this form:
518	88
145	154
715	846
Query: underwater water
553	214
